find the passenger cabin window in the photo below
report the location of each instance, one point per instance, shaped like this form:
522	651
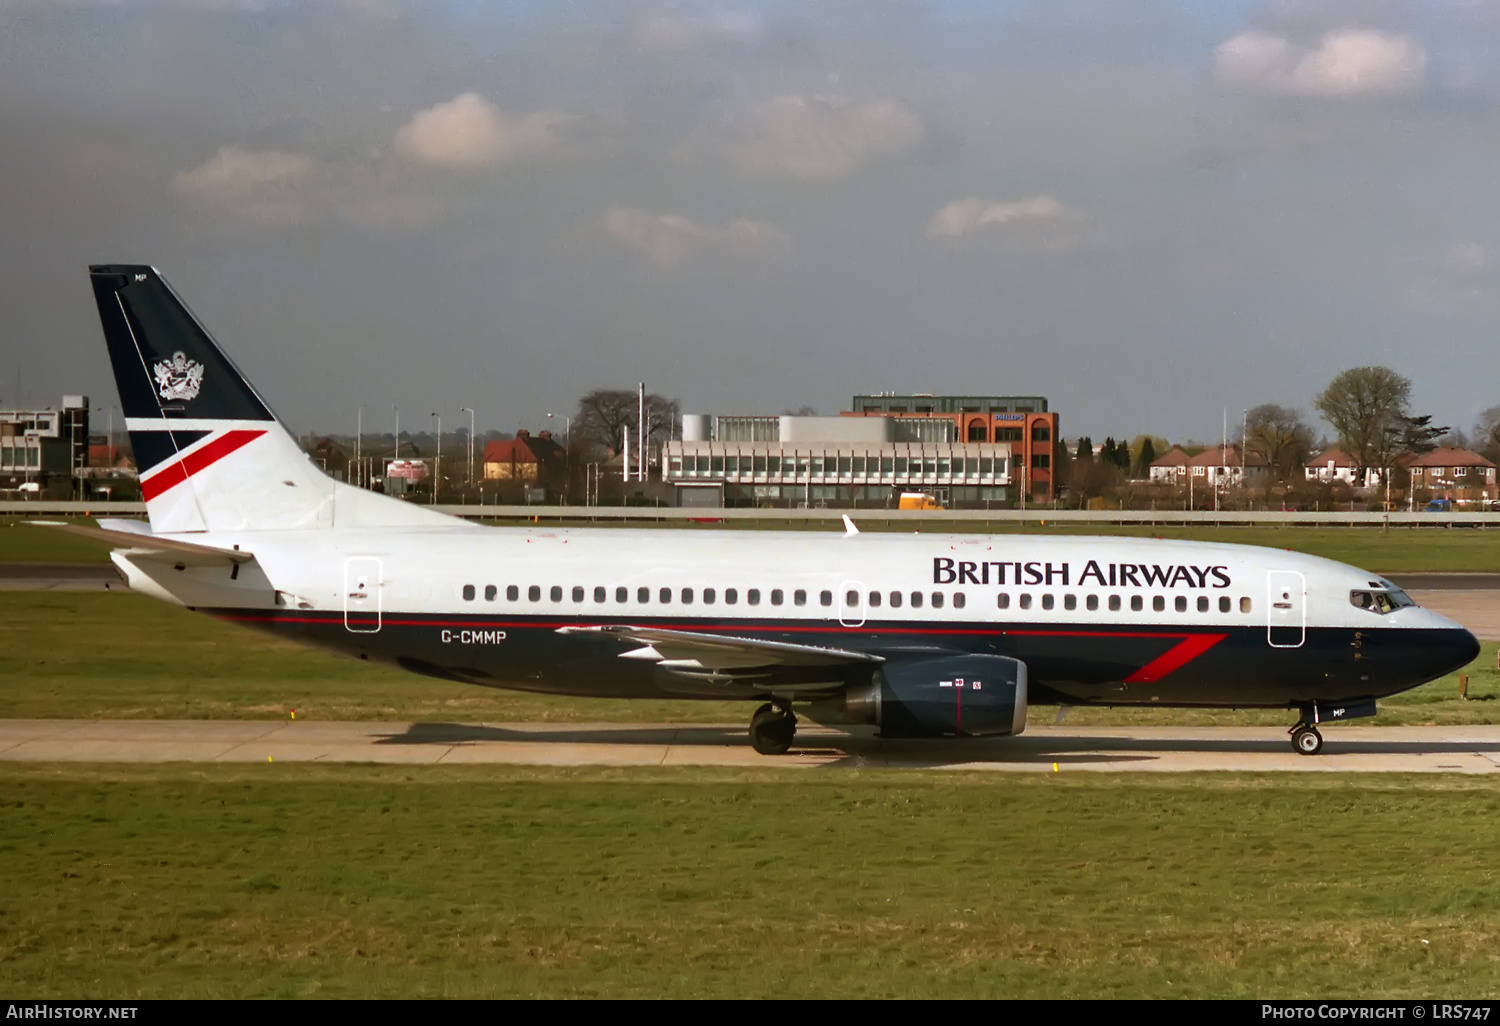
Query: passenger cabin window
799	597
1136	604
1224	604
874	600
1070	601
577	593
752	596
687	596
468	593
1202	603
512	593
1181	604
958	600
1026	600
731	596
664	596
643	595
937	600
916	600
490	591
534	593
600	595
1114	603
851	599
1048	600
1003	600
556	593
825	598
1091	602
895	600
622	594
708	596
775	596
1159	603
1245	604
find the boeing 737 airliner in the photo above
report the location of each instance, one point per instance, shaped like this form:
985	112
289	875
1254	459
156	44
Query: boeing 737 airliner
922	635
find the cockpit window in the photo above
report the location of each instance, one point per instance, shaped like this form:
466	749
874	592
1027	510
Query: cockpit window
1379	602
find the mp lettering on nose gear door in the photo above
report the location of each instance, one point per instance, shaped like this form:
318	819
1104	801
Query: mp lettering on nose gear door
362	595
1286	609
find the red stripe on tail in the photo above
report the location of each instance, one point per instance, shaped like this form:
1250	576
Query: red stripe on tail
175	473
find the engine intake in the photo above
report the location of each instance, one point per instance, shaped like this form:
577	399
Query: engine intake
949	696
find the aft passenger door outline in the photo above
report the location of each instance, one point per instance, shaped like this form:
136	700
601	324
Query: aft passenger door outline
362	594
1286	609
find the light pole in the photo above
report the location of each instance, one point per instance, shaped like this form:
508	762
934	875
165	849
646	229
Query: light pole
359	434
397	455
437	462
465	409
567	455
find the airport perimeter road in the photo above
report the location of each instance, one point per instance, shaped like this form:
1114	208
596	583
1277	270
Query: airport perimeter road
1352	749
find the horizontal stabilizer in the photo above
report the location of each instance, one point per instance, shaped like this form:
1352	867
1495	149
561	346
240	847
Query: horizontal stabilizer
144	542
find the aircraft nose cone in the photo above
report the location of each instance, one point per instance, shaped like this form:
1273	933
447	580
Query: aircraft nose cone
1454	649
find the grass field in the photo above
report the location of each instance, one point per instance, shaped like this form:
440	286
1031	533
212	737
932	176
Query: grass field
86	655
1397	551
274	881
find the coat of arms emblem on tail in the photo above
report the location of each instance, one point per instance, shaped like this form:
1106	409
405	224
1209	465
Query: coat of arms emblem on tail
179	377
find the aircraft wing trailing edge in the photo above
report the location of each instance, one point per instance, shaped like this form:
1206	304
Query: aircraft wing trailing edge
781	665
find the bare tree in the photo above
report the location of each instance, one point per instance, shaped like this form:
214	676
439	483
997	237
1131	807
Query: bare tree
1280	435
604	414
1363	404
1487	433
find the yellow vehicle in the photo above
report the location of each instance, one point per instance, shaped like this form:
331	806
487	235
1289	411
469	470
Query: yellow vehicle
918	500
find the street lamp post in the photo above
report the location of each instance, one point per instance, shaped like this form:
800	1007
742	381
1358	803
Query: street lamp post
465	409
567	455
437	462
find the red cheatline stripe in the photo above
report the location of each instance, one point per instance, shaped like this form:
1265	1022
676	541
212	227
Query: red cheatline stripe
175	473
1174	658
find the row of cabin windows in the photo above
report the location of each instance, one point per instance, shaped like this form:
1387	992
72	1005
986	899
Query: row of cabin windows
894	599
1137	602
710	596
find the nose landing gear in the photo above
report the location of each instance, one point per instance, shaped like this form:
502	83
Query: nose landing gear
772	728
1306	739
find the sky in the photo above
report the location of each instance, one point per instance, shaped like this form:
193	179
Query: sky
1151	213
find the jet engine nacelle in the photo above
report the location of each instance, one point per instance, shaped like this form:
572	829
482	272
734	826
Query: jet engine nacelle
947	696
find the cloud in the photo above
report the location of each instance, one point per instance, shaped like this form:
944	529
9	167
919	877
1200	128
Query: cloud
1465	259
1353	62
469	133
667	238
1461	282
966	216
817	138
264	185
674	31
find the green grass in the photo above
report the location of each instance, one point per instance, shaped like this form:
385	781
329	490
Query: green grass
1400	550
112	656
348	881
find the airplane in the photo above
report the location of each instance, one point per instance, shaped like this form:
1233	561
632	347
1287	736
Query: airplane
925	635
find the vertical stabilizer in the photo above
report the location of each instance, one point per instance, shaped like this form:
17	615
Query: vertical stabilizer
211	455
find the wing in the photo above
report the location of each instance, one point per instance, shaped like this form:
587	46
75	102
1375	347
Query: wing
730	659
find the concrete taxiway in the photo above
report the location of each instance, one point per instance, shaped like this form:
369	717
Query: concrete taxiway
1043	748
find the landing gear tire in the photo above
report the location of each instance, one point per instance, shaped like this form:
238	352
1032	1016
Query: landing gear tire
1306	739
772	729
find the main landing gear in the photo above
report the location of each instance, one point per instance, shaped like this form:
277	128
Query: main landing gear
1306	739
772	728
